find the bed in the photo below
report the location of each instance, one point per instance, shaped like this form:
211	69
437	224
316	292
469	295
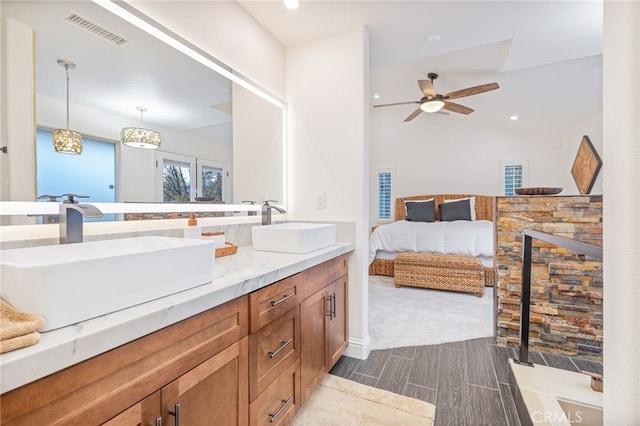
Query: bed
417	231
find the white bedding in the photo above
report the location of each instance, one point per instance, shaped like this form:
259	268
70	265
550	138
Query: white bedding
469	238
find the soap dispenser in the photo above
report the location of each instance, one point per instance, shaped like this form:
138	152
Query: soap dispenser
192	231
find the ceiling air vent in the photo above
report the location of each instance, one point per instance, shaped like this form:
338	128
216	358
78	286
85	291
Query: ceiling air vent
96	29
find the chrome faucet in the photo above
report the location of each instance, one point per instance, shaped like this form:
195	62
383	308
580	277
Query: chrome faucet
266	211
71	214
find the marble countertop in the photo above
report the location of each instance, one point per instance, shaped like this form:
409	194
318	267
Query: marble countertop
233	276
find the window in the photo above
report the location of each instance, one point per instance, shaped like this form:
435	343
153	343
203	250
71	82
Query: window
512	175
385	194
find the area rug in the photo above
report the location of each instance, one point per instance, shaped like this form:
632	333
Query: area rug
340	402
410	316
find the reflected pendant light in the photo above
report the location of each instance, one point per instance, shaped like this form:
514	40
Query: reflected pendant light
138	137
67	141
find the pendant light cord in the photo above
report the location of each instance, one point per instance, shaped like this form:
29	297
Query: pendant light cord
66	67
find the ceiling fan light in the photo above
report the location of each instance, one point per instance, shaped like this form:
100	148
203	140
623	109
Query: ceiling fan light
433	105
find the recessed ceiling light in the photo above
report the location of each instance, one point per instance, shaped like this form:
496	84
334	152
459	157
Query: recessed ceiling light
376	96
433	38
291	4
514	117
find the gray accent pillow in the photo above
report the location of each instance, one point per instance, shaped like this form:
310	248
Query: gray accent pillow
456	210
423	211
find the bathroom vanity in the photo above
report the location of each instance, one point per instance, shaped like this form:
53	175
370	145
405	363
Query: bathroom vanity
248	348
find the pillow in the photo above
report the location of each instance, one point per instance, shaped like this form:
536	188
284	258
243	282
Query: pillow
472	205
455	210
415	201
421	211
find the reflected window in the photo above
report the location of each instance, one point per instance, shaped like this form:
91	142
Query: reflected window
187	179
211	183
176	181
91	173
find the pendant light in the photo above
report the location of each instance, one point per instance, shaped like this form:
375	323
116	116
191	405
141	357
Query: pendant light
138	137
67	141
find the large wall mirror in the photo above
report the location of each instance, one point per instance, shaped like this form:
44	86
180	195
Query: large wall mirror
206	120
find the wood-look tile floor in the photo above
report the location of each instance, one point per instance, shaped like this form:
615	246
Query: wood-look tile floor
467	381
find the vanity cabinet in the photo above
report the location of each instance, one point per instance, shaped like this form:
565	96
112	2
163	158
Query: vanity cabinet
324	333
298	332
250	361
194	353
323	323
212	393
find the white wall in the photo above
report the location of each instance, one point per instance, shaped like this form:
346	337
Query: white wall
226	31
450	154
569	144
327	87
17	118
621	212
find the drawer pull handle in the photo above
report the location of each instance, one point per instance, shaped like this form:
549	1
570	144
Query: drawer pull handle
176	413
284	299
273	417
284	345
158	422
333	306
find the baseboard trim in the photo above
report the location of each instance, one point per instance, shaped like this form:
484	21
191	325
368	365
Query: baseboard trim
358	348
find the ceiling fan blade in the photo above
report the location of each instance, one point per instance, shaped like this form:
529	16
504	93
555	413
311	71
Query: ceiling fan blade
471	91
461	109
427	89
397	103
413	115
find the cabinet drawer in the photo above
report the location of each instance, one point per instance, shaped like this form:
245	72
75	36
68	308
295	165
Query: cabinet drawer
268	303
272	349
279	402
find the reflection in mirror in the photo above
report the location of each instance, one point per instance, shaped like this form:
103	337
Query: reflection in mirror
225	131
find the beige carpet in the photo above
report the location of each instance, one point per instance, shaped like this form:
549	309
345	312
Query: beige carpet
343	402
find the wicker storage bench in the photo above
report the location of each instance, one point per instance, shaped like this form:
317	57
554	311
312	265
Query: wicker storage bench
440	271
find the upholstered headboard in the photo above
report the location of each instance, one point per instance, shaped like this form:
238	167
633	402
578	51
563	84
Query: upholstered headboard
484	204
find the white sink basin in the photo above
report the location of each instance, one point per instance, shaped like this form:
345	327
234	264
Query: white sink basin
293	237
70	283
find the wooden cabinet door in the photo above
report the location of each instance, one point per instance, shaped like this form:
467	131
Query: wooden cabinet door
145	413
214	393
336	328
313	365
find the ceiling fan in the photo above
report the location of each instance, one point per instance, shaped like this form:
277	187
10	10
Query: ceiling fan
433	102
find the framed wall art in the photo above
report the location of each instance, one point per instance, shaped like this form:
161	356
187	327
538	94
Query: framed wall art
586	166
